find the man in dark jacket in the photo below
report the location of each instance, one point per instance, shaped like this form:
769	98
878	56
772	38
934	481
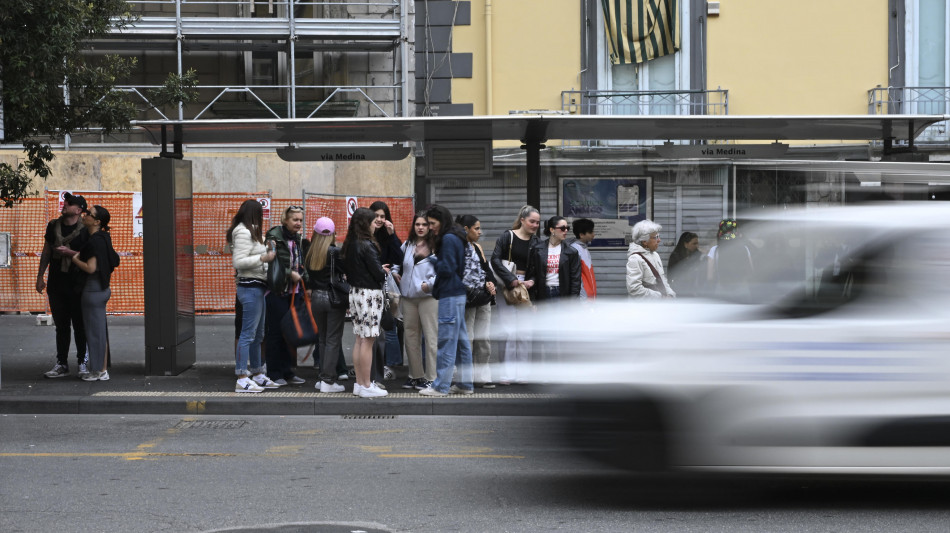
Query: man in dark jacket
64	289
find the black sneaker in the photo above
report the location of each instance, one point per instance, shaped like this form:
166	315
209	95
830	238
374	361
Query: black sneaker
422	383
410	383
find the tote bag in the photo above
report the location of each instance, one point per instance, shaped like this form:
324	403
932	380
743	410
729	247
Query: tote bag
298	325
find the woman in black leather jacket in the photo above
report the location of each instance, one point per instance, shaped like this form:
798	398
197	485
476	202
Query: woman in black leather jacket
515	245
366	276
552	278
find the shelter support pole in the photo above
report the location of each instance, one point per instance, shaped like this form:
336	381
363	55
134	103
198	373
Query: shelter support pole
533	163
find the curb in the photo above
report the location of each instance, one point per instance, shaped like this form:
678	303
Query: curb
205	404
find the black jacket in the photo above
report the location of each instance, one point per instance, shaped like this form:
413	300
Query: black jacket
501	254
276	234
362	267
569	271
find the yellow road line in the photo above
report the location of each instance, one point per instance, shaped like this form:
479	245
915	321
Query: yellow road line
121	455
448	456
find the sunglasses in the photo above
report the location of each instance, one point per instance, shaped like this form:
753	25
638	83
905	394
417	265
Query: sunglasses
563	228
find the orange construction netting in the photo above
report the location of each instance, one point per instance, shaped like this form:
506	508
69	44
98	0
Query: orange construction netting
211	217
340	207
214	274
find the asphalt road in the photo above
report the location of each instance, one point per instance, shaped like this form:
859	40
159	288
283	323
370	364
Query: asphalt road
337	474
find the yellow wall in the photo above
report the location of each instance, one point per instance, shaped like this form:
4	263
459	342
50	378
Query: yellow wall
535	48
803	57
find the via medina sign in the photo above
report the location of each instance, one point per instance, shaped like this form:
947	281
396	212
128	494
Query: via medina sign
722	151
332	154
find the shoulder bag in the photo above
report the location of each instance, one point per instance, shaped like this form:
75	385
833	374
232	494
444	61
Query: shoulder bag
276	276
659	286
298	325
507	263
339	293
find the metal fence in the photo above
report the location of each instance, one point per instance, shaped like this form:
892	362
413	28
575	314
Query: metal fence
712	102
914	101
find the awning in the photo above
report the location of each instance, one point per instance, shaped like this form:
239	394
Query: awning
640	30
541	128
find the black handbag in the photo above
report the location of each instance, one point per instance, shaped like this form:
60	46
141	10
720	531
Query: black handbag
386	321
339	293
476	297
276	276
298	325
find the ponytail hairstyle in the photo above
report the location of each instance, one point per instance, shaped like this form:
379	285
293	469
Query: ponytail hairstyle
551	224
103	216
523	213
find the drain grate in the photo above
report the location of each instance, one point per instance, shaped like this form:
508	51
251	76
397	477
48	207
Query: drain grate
210	424
368	417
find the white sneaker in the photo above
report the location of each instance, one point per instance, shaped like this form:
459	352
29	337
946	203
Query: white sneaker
96	376
247	384
331	387
264	381
430	391
57	371
388	373
357	388
343	377
372	392
83	370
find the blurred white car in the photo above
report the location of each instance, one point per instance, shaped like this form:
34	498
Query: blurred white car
832	357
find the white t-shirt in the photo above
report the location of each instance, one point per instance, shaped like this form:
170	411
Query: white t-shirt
554	263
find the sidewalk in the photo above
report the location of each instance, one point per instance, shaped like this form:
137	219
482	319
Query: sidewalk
27	350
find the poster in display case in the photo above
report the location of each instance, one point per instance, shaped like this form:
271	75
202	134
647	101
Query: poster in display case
615	204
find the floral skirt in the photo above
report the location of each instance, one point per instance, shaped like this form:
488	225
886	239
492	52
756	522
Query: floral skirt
366	308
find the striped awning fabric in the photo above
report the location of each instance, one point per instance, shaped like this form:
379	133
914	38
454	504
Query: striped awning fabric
640	30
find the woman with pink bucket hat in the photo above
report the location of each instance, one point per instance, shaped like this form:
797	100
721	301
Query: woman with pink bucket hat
323	263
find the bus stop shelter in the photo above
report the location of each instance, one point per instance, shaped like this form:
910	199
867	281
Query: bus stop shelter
166	180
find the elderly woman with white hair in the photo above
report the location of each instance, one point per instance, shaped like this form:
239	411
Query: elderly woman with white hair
645	275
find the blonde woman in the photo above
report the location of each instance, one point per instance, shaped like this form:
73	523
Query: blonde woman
320	256
515	245
281	358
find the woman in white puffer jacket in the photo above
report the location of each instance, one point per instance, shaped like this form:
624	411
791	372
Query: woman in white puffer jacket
250	258
645	275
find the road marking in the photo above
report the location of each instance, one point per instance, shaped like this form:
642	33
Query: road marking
447	456
121	455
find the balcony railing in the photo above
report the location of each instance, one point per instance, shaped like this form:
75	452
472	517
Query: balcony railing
914	101
713	102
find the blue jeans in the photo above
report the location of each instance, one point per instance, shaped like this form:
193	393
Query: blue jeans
454	347
252	329
393	351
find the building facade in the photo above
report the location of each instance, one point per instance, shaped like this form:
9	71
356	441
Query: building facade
284	59
734	57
